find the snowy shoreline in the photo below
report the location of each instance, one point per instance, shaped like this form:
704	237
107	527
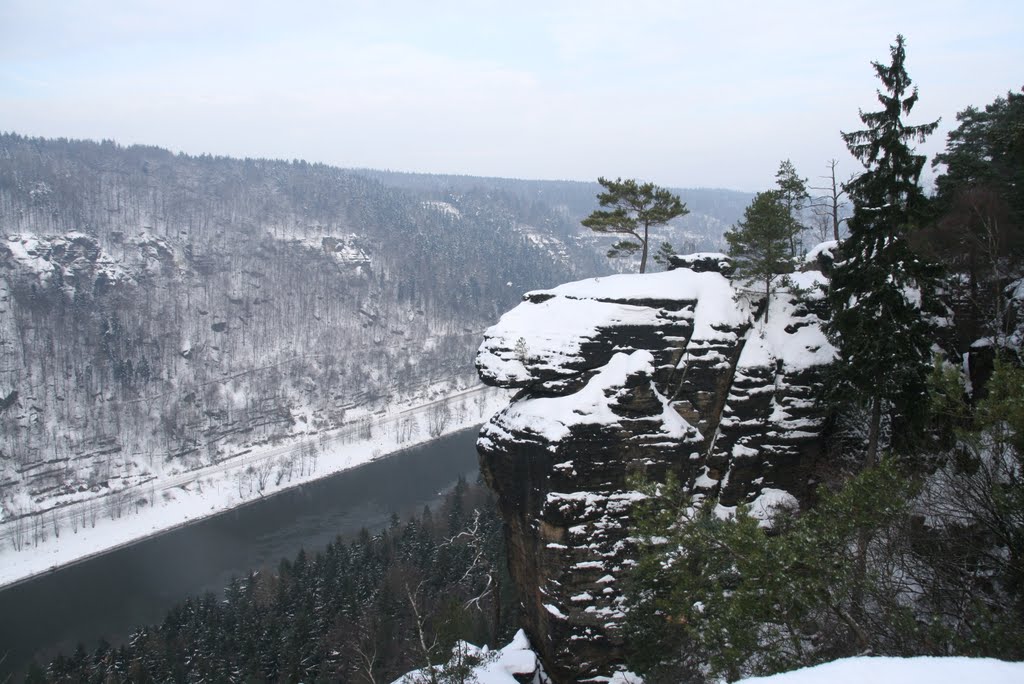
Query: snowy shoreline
88	530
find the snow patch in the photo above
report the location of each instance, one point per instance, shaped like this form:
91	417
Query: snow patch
552	418
901	671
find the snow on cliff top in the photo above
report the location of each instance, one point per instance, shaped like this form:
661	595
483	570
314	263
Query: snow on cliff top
902	671
712	291
552	333
551	417
549	334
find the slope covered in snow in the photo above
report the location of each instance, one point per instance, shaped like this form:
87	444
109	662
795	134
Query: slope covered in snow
921	670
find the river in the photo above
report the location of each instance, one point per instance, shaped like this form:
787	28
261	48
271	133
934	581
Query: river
109	595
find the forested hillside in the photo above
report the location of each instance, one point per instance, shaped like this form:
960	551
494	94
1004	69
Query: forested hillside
157	306
164	310
711	210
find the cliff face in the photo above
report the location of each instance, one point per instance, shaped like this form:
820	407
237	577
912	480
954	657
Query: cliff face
668	372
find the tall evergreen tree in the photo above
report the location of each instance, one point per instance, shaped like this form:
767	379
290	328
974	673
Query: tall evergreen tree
760	243
792	191
879	284
636	208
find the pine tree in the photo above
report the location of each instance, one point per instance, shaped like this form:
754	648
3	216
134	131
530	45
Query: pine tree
978	232
663	257
760	244
878	283
986	149
792	191
637	207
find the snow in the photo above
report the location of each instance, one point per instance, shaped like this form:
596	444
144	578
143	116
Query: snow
782	338
499	667
547	331
179	499
443	207
828	247
552	417
517	658
1015	290
769	501
554	611
552	334
33	254
902	671
713	292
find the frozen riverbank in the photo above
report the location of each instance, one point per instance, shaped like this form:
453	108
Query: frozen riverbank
39	543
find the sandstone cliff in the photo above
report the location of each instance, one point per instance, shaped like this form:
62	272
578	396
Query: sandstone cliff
676	372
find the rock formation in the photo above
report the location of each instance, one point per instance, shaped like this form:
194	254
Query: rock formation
677	372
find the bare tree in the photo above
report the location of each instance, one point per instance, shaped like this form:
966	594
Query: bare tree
263	471
831	205
406	428
438	417
366	660
427	647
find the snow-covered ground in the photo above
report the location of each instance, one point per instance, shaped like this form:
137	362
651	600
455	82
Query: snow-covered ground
488	667
502	666
902	671
32	545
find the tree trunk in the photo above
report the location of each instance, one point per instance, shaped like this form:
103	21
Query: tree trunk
643	254
873	430
496	578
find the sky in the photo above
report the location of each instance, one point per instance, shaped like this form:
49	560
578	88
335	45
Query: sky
684	94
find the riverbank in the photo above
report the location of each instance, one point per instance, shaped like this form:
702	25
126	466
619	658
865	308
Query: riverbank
35	545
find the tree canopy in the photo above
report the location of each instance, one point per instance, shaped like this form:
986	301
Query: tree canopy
635	208
879	284
793	193
760	244
978	227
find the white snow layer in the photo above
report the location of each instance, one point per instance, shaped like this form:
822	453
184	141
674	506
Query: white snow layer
712	291
499	667
782	338
552	333
902	671
828	247
552	417
548	335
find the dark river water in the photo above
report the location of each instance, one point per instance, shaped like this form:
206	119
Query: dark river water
109	595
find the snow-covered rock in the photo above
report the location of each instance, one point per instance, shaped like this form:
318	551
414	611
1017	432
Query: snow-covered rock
676	372
516	663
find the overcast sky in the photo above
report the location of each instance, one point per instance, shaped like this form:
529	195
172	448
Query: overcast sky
711	93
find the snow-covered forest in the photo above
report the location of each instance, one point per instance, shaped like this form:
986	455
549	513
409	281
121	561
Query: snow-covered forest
161	313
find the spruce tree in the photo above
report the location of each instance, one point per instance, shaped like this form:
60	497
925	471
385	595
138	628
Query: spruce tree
636	207
793	193
760	244
878	283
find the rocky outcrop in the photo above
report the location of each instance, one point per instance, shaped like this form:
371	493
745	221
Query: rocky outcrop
678	372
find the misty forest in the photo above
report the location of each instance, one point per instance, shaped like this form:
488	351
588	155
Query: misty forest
741	434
